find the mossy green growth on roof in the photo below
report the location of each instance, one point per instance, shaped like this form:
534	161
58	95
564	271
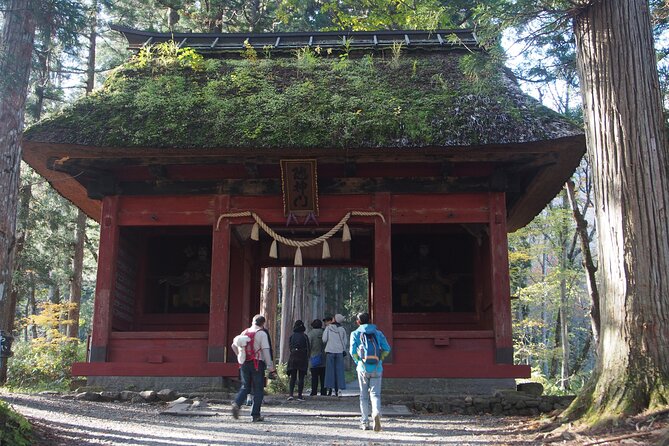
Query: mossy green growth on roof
178	100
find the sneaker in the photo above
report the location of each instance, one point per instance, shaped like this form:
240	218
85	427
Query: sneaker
365	426
290	398
235	411
258	419
377	422
299	398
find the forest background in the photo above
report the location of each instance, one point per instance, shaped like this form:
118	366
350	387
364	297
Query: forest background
552	260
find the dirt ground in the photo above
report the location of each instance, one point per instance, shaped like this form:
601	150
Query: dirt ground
61	420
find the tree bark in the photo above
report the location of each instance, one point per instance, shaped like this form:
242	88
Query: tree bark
17	44
564	299
80	227
270	294
628	152
77	274
286	311
588	262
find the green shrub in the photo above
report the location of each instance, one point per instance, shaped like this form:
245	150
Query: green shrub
280	384
15	430
43	364
45	361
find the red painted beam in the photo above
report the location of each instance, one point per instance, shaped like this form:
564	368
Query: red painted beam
220	285
451	208
462	334
106	279
159	335
381	290
501	292
197	210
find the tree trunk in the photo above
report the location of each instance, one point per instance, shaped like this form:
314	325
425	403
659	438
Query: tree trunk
268	305
286	311
564	299
581	359
77	273
18	38
588	262
80	228
33	306
557	343
628	151
319	311
547	367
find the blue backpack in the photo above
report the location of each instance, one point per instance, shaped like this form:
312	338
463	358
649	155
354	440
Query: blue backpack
369	350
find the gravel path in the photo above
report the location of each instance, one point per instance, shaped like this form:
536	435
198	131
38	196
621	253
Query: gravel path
320	420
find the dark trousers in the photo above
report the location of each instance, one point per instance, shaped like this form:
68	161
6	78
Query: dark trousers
296	375
253	381
318	376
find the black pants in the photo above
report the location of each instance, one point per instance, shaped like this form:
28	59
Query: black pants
299	376
317	374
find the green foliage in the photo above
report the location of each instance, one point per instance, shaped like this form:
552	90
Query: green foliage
396	50
548	281
316	102
45	361
249	53
552	384
168	55
43	364
14	429
279	385
47	223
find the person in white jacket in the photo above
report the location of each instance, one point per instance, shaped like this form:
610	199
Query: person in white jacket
335	338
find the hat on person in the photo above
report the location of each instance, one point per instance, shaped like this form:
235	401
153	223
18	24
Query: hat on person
339	318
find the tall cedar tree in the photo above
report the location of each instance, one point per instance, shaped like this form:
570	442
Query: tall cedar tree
627	147
17	44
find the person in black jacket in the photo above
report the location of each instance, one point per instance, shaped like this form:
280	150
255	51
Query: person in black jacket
298	361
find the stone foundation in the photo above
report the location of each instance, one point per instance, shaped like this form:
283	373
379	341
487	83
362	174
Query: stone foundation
501	403
182	384
446	386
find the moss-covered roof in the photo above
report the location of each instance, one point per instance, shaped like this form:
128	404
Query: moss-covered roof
306	101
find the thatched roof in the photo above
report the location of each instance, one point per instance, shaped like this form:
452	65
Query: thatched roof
312	100
312	103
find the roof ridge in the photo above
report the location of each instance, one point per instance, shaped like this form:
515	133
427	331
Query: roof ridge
345	41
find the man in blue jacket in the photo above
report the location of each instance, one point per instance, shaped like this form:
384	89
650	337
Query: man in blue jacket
369	348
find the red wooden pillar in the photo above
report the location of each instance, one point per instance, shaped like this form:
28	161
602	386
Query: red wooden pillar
499	266
220	285
382	292
106	280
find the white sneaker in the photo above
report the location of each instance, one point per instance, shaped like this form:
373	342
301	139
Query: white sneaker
365	426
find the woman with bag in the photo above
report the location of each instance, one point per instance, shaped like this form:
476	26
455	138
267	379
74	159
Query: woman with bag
335	338
298	361
317	357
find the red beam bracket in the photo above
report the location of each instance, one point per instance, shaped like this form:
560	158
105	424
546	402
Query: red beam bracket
442	341
155	359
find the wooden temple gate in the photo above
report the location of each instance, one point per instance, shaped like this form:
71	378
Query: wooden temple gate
179	263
